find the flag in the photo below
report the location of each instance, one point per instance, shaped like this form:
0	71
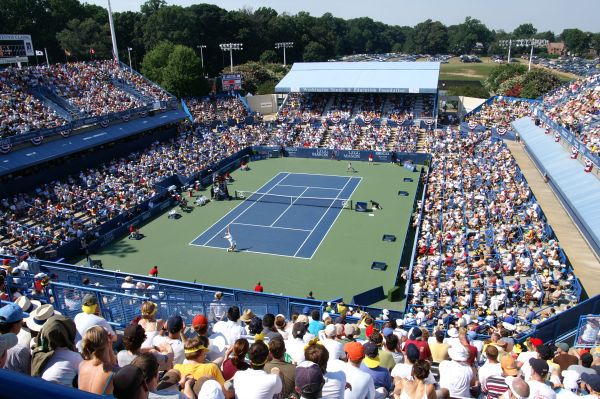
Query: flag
67	53
39	52
92	51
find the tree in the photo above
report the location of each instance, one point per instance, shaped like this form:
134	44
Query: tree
172	23
182	75
463	37
314	52
524	31
595	42
269	57
539	82
430	37
80	36
152	6
156	60
502	73
577	41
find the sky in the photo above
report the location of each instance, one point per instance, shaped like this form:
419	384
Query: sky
554	15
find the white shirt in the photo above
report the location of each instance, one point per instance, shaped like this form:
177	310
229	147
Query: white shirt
176	344
231	330
488	370
127	285
335	380
335	348
362	383
256	384
62	367
539	390
84	322
456	377
295	348
404	370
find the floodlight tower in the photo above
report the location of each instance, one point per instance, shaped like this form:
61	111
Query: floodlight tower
523	43
201	46
230	47
284	45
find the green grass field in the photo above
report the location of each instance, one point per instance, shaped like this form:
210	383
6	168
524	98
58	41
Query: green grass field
339	268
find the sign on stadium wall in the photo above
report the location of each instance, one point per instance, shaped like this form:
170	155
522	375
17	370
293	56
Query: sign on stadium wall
231	81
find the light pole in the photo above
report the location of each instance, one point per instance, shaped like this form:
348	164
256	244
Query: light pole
129	54
230	47
201	46
524	43
284	45
112	34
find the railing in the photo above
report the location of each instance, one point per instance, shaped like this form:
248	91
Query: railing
17	385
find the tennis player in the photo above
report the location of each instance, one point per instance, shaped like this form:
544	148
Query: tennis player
351	168
229	237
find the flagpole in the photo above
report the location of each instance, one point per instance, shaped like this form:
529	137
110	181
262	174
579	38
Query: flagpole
112	33
47	62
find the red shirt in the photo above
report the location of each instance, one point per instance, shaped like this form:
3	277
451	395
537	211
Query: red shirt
422	346
153	271
258	288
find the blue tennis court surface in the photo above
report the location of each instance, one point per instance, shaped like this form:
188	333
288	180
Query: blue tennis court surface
289	216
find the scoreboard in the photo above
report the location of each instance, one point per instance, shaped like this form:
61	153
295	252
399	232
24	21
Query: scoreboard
15	48
231	81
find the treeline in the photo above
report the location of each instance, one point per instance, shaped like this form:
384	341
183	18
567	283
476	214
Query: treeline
60	25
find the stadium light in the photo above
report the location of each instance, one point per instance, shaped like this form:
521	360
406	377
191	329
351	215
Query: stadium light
523	43
230	47
201	46
112	34
284	45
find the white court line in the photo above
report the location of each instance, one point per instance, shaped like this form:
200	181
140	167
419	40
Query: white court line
224	216
336	218
269	227
324	188
319	174
286	209
321	218
256	252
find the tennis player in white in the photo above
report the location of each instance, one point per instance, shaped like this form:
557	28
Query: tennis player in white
229	237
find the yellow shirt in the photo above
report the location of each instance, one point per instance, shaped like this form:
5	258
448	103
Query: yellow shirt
197	370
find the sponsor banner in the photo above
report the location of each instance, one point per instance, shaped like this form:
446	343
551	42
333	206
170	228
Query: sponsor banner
37	140
5	147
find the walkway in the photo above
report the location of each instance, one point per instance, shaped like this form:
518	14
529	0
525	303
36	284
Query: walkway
582	257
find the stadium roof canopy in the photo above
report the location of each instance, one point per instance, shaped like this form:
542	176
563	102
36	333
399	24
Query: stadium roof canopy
361	77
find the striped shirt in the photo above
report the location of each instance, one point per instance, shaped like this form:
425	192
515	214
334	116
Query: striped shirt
495	386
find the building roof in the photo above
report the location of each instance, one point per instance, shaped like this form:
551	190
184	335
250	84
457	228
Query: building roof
361	77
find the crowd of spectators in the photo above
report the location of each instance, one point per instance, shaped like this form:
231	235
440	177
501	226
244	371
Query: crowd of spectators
303	105
501	112
211	109
20	111
339	353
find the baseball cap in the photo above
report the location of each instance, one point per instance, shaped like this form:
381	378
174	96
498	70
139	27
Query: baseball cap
387	331
298	330
355	351
330	330
414	333
593	380
11	313
371	359
349	329
127	381
7	341
309	378
509	365
563	346
199	321
412	353
255	326
536	341
539	366
174	324
133	330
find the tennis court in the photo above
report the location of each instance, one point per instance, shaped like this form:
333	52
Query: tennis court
288	216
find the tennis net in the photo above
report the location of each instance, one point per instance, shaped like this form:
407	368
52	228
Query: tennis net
336	203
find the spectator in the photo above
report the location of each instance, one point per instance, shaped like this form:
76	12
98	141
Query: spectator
97	369
490	368
335	380
7	341
150	324
415	337
287	371
129	383
518	388
309	380
217	309
404	370
439	349
391	346
149	366
361	382
89	317
586	364
295	345
268	323
174	338
315	325
133	337
371	365
563	358
456	375
333	346
18	357
538	386
592	384
55	357
231	329
237	361
255	382
416	387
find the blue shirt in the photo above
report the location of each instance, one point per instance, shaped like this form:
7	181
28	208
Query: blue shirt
381	376
314	326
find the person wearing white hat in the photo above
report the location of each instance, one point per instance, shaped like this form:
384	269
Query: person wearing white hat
128	283
28	306
39	316
455	374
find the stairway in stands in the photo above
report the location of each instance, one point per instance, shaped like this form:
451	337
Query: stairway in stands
422	141
392	141
325	139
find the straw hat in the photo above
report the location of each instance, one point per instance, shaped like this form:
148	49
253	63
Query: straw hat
39	316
